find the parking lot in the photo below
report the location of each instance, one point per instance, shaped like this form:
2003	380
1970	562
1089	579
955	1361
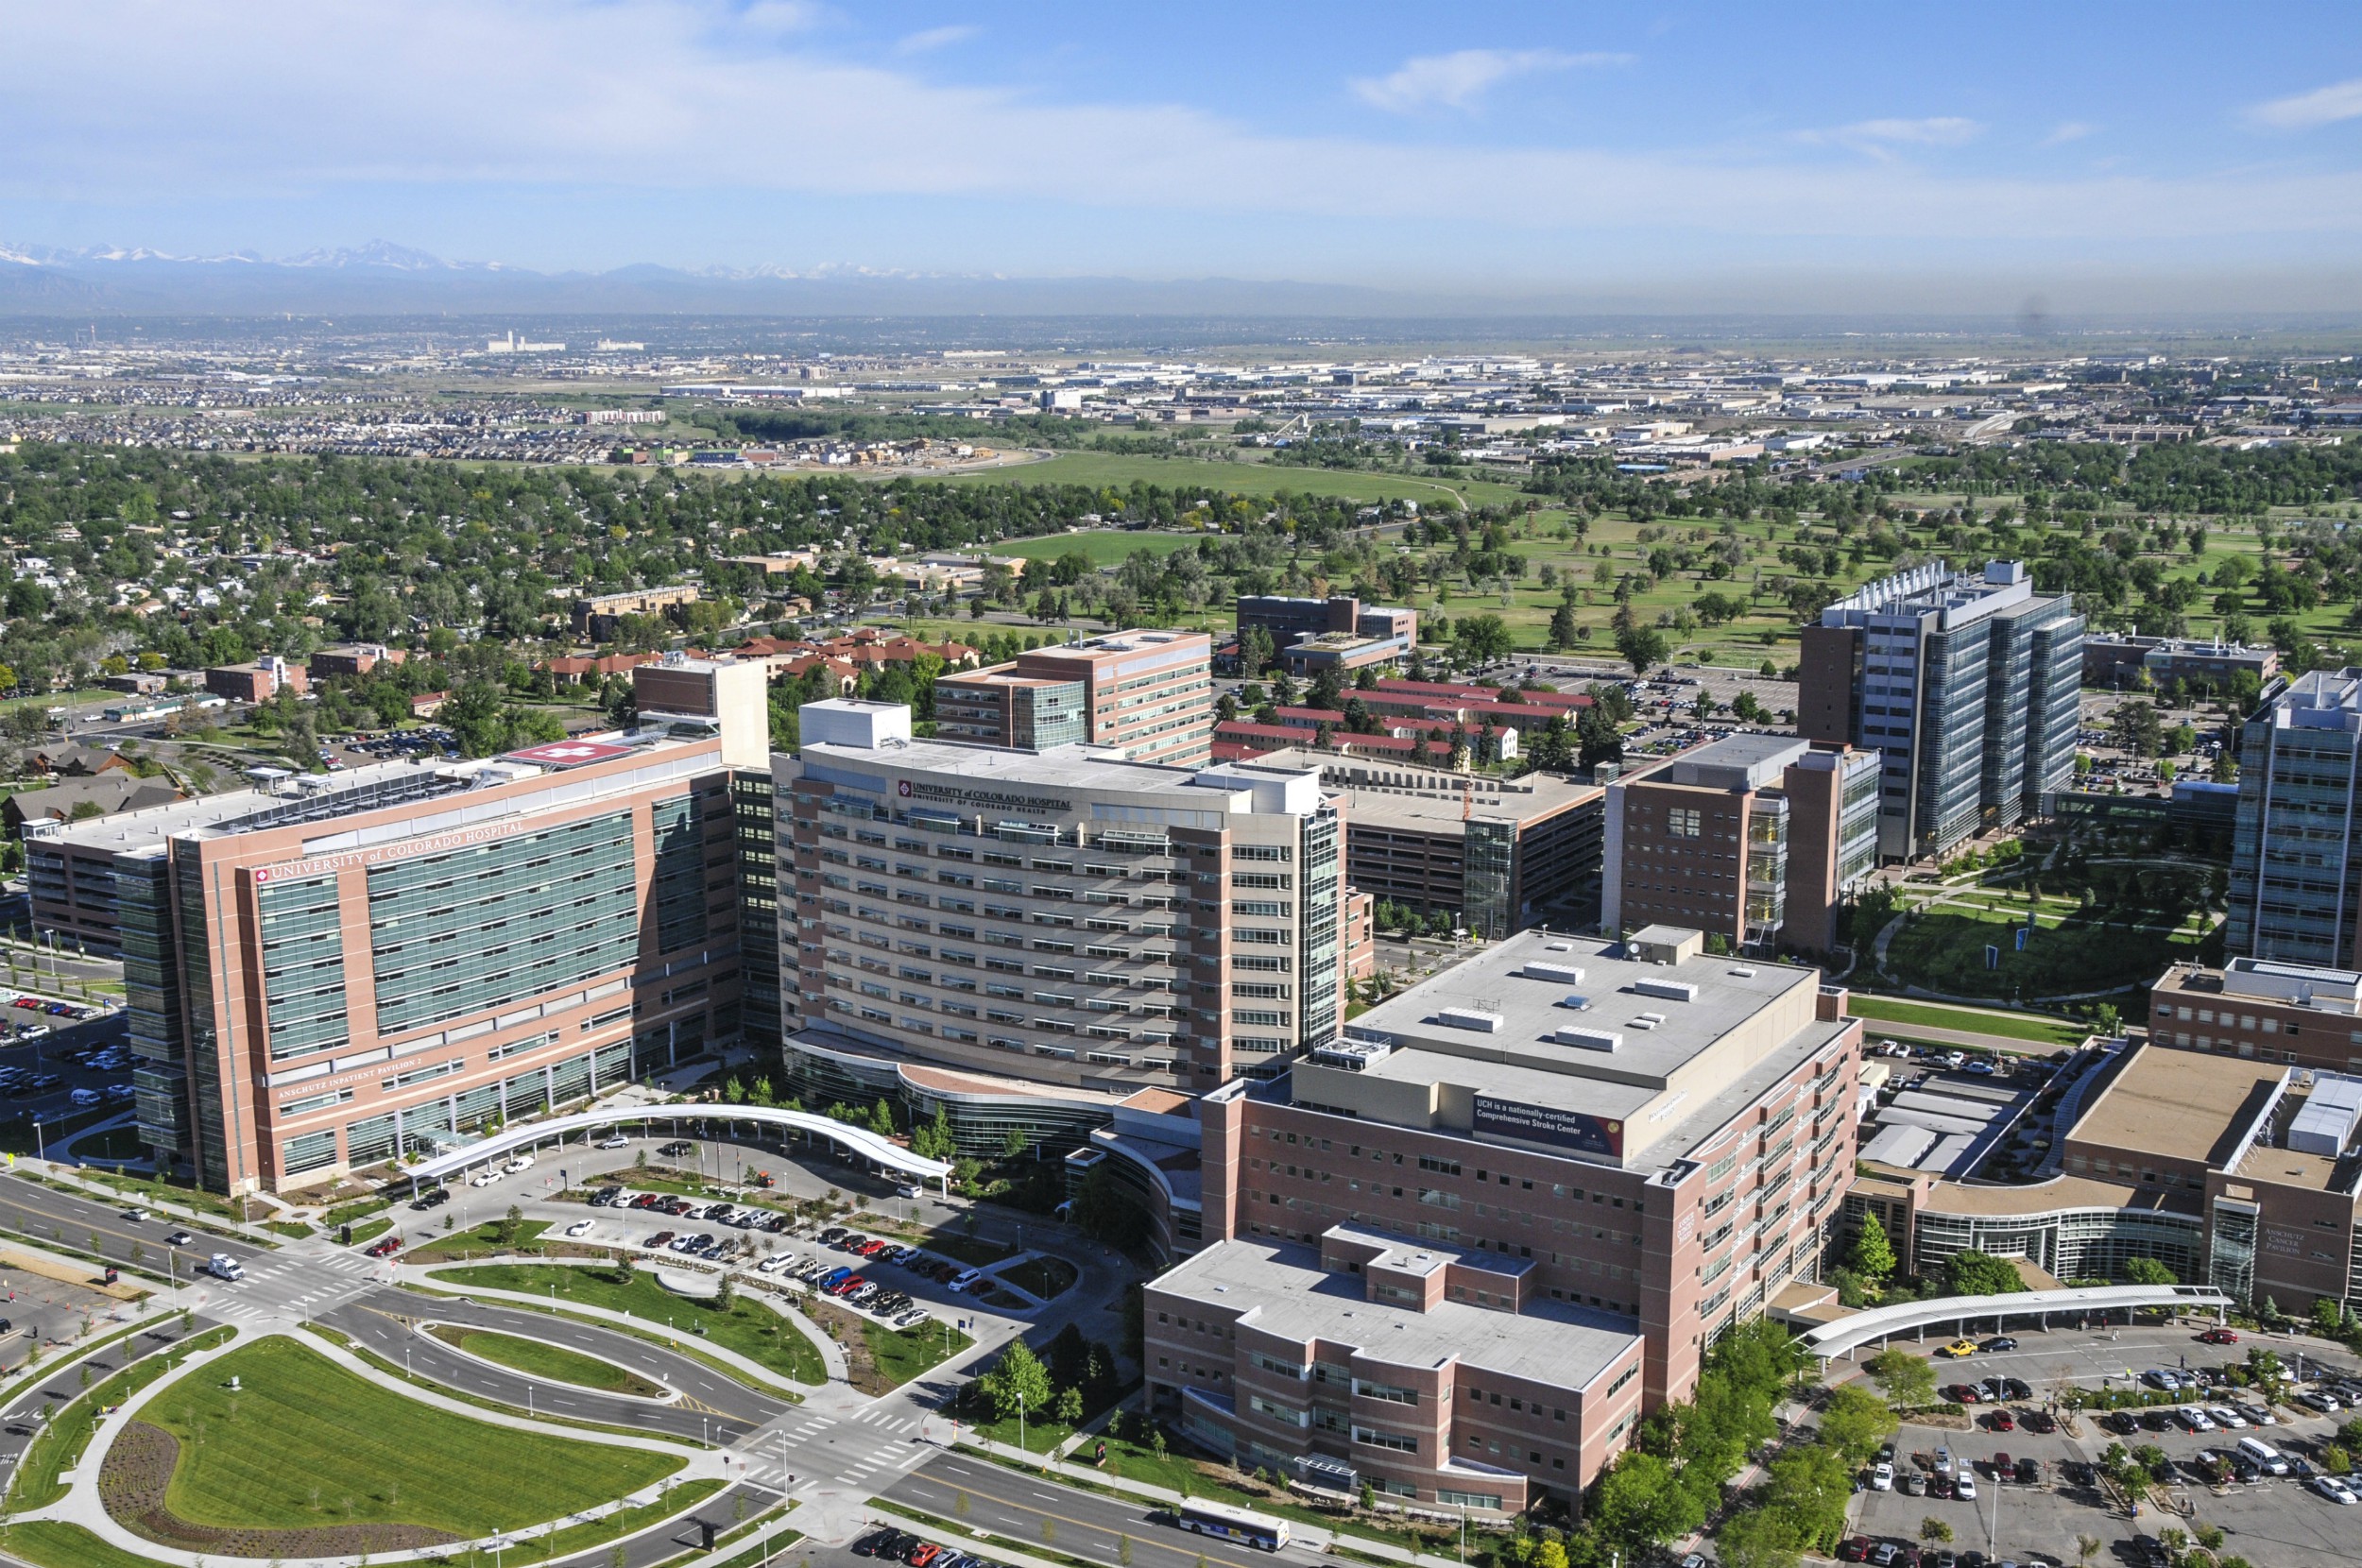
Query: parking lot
2274	1522
60	1059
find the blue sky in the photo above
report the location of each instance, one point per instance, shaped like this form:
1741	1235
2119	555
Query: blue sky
1725	156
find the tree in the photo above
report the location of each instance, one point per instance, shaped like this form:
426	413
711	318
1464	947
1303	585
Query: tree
1856	1421
1975	1274
1255	650
2086	1548
2146	1271
1018	1380
1562	628
1481	638
1934	1531
1757	1538
1642	647
1872	1254
1640	1502
1907	1380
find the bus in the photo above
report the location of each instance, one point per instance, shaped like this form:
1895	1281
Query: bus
1220	1518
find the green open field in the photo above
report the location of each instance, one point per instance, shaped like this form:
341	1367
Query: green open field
1102	547
51	1544
1246	477
59	1446
749	1328
304	1441
902	1355
2015	1026
2139	918
551	1363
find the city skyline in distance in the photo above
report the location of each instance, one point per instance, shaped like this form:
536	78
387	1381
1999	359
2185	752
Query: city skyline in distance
1699	158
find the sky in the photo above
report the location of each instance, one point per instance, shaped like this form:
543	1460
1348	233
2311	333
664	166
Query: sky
2001	156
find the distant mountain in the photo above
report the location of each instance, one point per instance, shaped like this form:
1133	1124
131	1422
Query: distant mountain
386	278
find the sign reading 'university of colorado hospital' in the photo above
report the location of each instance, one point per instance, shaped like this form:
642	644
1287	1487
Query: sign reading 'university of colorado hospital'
320	865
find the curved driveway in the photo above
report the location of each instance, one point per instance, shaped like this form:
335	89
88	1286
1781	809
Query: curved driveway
711	1406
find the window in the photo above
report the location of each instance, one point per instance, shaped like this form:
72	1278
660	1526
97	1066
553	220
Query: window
1683	822
1372	1438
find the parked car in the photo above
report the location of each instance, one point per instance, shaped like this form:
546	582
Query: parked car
2219	1336
1999	1341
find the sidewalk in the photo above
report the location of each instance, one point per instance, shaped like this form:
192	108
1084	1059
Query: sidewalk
82	1505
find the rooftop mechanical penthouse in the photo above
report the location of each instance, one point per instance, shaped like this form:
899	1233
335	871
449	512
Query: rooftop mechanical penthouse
1637	1135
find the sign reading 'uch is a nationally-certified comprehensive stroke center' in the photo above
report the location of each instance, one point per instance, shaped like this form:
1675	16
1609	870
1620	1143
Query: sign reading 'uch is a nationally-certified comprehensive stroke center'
1550	1124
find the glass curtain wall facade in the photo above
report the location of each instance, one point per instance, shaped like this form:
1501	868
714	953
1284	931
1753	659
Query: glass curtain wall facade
2296	852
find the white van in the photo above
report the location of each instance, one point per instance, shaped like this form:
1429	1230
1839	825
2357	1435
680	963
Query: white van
222	1265
2265	1455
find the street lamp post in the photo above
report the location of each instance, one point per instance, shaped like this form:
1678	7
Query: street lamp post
1021	1424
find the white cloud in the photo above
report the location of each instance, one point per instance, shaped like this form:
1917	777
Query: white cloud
2321	107
1880	137
1457	79
128	106
936	38
2068	131
778	18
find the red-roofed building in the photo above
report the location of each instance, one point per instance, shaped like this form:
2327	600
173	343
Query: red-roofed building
578	669
1241	738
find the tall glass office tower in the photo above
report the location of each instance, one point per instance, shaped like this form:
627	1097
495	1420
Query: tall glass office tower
1964	683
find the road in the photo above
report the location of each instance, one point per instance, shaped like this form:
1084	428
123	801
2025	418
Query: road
836	1450
1016	1506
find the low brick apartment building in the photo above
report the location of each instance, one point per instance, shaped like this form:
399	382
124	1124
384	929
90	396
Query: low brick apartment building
2273	1011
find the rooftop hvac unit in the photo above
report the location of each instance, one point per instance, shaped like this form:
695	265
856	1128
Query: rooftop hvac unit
1671	991
1565	974
1576	1000
1470	1017
1647	1020
1590	1039
1353	1055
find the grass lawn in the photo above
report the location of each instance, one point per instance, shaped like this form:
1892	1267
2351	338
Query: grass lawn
1104	547
551	1363
51	1544
902	1355
115	1142
1245	477
352	1213
2071	950
369	1230
293	1229
304	1441
971	1250
63	1440
749	1328
2016	1026
479	1241
1044	1277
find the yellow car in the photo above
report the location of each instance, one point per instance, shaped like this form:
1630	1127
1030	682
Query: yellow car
1958	1348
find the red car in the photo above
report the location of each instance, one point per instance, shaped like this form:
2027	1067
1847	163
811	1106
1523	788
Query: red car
384	1247
1963	1393
1855	1549
29	1001
2219	1336
2003	1422
847	1285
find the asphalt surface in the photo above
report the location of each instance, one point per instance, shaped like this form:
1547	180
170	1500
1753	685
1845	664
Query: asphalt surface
1015	1507
710	1407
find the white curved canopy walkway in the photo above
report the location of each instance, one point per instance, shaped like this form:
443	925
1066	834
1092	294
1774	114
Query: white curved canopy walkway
858	1140
1880	1323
